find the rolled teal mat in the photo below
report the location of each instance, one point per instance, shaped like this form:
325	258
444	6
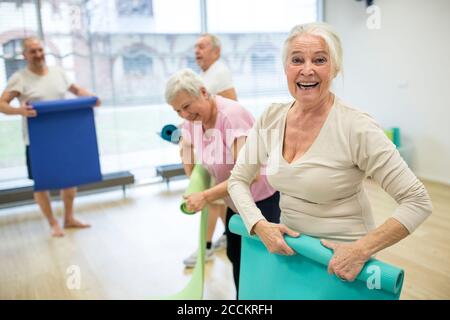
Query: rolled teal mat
170	133
396	137
304	275
199	181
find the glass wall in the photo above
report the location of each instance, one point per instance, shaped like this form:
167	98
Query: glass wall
125	50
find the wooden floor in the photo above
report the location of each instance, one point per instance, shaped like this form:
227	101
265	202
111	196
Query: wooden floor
136	246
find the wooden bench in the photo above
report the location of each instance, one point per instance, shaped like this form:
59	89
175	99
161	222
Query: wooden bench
23	194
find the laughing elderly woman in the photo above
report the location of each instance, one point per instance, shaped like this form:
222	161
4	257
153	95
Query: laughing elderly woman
216	128
322	151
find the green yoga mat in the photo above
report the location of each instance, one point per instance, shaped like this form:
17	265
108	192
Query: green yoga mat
199	181
304	275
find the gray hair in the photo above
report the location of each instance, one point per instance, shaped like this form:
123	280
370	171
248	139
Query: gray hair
183	80
215	41
30	38
320	29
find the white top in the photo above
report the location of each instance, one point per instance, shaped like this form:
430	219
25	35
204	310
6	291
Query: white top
33	87
217	77
322	193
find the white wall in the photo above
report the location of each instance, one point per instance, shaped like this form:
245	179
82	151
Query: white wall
400	73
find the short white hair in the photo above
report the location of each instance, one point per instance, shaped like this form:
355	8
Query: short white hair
320	29
183	80
215	41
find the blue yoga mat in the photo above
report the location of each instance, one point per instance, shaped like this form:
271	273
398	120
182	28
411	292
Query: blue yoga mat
63	144
304	276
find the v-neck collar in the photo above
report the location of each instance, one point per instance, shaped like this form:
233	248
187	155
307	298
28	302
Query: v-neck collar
324	125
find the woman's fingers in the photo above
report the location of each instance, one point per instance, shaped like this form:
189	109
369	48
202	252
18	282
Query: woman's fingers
288	231
271	235
331	267
281	245
329	244
288	251
284	246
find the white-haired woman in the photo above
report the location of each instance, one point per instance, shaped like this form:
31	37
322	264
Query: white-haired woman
216	127
322	152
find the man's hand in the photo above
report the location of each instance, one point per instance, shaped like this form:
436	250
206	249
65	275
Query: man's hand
27	110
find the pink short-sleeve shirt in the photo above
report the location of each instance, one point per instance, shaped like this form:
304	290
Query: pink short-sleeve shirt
213	146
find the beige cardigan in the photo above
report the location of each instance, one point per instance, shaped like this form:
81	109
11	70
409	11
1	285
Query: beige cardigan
321	193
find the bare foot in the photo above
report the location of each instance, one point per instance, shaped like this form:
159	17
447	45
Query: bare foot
57	231
74	223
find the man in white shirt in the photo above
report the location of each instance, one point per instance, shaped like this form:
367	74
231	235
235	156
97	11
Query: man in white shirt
218	80
39	82
215	74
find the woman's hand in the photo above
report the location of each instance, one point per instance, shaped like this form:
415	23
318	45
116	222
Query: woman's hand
271	234
195	202
347	261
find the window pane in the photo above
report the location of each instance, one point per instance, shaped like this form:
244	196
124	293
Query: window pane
17	20
117	50
144	16
259	15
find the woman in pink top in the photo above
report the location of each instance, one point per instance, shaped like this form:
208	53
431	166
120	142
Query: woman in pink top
216	128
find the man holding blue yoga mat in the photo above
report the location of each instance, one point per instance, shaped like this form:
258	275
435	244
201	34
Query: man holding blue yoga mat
39	82
318	150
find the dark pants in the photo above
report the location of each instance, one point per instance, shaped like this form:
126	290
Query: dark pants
271	210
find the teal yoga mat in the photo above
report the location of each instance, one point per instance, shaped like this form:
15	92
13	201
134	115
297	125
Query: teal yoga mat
170	133
199	181
304	275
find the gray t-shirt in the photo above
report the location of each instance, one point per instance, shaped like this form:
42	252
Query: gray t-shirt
32	87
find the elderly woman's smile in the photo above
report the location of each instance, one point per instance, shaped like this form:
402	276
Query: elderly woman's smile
307	85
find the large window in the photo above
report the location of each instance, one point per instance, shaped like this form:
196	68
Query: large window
136	8
256	16
125	50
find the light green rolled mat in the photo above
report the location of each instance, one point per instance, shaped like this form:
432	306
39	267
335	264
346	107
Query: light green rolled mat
304	276
199	181
389	133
